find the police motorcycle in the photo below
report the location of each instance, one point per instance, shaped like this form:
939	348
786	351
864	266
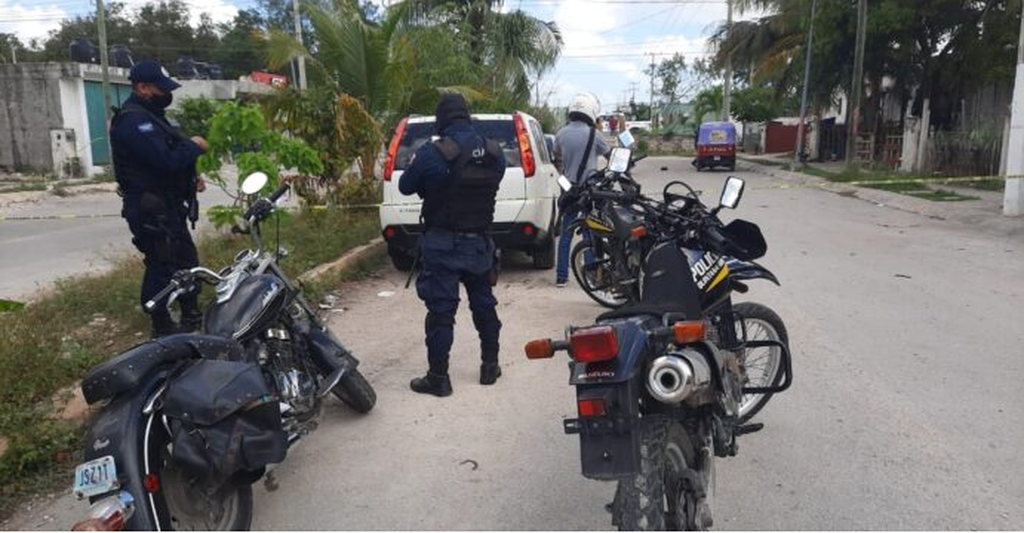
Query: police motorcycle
606	259
190	422
668	383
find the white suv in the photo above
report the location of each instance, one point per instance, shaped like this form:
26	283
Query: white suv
524	217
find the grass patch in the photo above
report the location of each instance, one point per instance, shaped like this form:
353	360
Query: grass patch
22	187
918	190
52	342
889	181
994	184
7	306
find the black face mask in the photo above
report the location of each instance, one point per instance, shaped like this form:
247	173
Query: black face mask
161	101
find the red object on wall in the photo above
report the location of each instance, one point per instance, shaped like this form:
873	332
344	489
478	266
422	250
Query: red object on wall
274	80
779	138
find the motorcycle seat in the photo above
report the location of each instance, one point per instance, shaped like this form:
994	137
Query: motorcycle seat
126	371
646	309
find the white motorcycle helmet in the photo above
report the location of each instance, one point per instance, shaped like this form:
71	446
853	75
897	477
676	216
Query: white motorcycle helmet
587	105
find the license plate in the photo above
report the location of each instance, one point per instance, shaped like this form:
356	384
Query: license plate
95	477
718	158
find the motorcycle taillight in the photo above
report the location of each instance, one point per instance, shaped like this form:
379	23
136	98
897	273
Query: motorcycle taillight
108	514
592	345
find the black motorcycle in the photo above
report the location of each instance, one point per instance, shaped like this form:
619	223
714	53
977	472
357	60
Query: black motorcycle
191	421
666	384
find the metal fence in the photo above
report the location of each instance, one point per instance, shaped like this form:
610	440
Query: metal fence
972	153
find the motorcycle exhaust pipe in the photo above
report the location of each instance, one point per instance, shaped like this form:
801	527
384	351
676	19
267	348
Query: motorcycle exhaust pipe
676	376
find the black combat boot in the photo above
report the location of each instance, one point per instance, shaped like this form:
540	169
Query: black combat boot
436	384
163	325
489	373
191	320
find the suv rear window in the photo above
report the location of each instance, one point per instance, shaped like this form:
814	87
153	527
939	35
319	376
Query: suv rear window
502	131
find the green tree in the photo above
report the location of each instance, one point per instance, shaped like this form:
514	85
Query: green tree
707	102
11	47
668	73
512	47
238	133
240	50
755	104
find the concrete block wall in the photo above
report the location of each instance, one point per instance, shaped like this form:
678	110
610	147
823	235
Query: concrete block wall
30	106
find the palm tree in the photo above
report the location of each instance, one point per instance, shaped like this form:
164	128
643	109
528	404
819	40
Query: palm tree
514	46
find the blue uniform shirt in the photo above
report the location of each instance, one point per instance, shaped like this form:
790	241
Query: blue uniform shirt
428	172
145	158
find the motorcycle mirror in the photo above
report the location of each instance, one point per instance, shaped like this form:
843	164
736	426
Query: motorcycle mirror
254	183
618	161
732	192
564	183
626	139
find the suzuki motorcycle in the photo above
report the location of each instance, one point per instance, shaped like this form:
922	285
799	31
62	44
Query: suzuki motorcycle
668	383
191	421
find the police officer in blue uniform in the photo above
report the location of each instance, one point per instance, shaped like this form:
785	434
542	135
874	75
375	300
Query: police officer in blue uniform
155	168
458	177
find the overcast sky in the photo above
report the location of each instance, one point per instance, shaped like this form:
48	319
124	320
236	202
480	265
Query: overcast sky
607	42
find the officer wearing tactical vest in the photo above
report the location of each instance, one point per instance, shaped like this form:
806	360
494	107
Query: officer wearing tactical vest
458	177
156	175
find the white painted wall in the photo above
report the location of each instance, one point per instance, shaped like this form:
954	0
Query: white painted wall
72	101
1013	197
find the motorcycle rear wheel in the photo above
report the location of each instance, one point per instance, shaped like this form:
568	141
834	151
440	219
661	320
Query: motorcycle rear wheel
597	279
188	503
656	498
762	324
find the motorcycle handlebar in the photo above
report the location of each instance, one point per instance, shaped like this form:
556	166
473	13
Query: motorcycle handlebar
152	303
277	194
612	195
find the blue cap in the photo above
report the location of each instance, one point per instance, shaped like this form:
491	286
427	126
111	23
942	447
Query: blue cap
152	72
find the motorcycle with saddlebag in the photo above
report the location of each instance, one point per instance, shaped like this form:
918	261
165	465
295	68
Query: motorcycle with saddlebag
190	422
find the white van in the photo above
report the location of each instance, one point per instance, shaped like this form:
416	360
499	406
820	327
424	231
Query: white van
524	216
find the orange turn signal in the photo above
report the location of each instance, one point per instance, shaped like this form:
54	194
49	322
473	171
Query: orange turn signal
689	331
540	349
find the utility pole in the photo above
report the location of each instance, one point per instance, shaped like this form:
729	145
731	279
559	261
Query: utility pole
1013	196
298	36
101	21
14	54
858	81
727	93
651	108
798	159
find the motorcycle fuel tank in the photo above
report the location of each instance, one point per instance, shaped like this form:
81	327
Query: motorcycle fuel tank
256	302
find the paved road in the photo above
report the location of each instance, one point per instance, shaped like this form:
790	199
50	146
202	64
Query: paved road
55	237
905	413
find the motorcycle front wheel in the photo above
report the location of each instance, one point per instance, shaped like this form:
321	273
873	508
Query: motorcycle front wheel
595	274
763	366
355	391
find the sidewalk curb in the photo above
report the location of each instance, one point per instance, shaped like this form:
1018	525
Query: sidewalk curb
349	260
967	213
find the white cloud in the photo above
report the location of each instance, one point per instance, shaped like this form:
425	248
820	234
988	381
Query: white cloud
37	21
29	22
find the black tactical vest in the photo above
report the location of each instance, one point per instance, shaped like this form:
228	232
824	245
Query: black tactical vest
467	204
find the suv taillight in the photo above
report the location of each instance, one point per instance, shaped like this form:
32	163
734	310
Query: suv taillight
396	141
525	148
